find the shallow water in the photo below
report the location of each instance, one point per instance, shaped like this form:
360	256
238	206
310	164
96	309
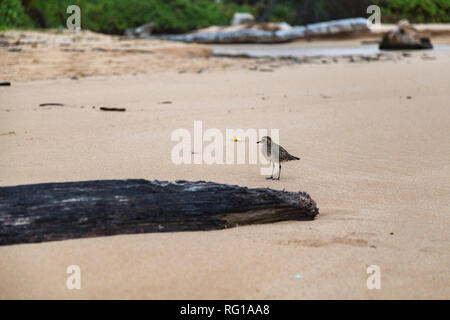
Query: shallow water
299	50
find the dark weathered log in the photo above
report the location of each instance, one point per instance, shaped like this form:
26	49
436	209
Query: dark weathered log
59	211
112	109
51	104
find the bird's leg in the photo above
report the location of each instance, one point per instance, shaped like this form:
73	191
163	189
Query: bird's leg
273	167
279	173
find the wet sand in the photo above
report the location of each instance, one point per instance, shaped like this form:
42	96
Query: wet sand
374	143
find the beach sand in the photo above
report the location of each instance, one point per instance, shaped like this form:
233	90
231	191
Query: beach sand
374	143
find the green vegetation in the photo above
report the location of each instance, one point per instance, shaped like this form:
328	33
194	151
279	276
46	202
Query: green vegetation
12	15
415	10
177	16
114	16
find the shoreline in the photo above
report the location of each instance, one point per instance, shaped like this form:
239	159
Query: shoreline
38	56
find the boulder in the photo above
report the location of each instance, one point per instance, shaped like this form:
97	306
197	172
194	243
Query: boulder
140	32
242	18
405	37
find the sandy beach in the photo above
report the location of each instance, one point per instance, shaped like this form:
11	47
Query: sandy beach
373	137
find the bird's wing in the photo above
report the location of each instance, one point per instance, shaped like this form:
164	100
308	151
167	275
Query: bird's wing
284	155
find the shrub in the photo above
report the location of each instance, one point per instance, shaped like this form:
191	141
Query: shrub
114	16
12	15
176	16
415	10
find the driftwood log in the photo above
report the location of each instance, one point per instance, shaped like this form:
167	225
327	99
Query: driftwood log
256	33
59	211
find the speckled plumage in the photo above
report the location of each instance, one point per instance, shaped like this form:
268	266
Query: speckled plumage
275	153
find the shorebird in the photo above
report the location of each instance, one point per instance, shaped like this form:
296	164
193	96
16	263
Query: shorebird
275	154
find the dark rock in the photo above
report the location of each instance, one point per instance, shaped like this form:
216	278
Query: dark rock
405	37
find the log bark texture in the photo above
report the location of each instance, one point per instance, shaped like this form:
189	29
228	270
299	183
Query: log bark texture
59	211
286	33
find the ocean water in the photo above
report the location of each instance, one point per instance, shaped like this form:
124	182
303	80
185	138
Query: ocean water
299	50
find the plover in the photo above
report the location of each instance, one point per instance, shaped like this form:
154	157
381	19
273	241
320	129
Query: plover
275	154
